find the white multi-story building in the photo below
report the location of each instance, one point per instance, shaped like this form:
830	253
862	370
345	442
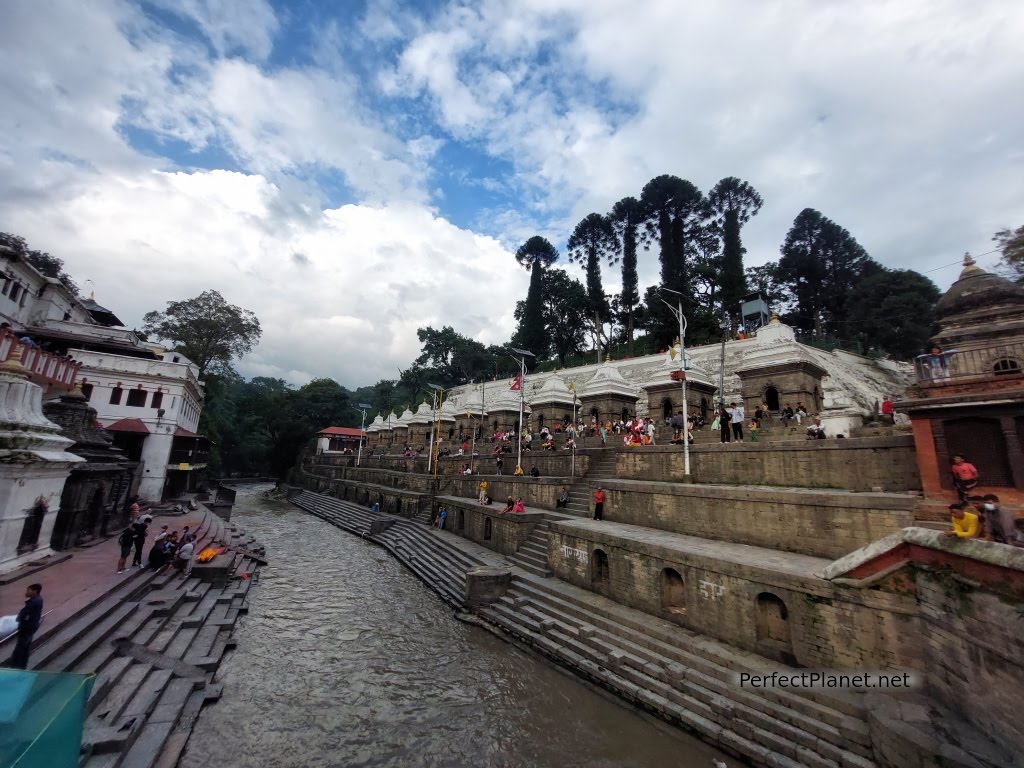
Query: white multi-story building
152	406
149	397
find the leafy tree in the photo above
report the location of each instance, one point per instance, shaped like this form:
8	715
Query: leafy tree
1011	243
820	263
565	313
207	330
676	213
591	242
764	279
893	311
48	265
734	203
536	254
626	217
458	359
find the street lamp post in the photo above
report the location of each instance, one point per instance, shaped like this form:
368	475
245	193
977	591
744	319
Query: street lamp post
572	468
437	392
474	427
363	408
523	354
678	312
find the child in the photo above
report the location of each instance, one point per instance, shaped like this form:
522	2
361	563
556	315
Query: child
125	540
752	430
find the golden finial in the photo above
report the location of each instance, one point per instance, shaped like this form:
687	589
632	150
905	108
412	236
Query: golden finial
775	318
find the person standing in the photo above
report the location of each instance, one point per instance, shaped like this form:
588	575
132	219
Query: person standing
183	559
29	618
498	464
738	416
599	503
483	491
723	422
125	541
965	476
139	529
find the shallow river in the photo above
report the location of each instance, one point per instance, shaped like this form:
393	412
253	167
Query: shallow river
346	659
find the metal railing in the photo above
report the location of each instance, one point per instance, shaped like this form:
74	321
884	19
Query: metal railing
957	366
44	368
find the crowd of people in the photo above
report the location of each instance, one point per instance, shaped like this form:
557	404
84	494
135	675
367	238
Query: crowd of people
171	549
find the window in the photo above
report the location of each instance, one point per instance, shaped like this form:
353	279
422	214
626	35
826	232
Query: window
115	396
157	401
14	292
1006	366
137	398
87	391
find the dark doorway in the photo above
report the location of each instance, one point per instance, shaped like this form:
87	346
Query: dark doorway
31	529
773	634
673	594
771	396
982	443
666	409
600	573
487	529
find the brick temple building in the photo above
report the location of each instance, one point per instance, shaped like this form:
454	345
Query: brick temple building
969	394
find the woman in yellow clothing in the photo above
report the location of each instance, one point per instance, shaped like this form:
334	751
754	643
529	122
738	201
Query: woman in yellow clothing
965	524
483	492
519	471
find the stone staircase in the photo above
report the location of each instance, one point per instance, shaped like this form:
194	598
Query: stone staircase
684	677
532	555
602	467
680	675
424	551
154	643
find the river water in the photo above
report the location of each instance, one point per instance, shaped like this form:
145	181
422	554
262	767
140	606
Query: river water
346	659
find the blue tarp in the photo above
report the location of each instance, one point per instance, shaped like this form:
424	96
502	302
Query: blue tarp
41	717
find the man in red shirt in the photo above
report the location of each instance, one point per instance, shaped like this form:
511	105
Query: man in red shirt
599	503
965	476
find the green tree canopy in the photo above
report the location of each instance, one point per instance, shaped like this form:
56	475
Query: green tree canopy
48	265
207	330
893	311
536	254
1011	244
820	262
734	203
592	242
626	218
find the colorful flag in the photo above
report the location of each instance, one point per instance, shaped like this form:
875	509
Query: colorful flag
517	383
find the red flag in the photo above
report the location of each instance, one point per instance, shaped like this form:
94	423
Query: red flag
517	382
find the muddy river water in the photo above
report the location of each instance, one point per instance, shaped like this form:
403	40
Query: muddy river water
346	659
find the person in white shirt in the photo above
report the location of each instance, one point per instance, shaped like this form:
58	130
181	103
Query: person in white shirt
736	411
183	560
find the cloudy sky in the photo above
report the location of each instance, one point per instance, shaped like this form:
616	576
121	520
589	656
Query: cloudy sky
354	170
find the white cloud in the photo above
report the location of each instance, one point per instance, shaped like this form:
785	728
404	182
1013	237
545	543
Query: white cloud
369	278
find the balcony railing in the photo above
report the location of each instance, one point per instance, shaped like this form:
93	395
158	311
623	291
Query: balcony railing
43	368
979	364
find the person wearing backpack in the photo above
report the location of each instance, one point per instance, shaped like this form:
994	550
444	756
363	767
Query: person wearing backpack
125	541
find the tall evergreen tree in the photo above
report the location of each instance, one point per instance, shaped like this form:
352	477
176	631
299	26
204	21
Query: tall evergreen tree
535	254
592	241
734	203
892	311
676	213
820	264
626	217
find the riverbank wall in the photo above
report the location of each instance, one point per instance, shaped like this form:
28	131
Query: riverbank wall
791	597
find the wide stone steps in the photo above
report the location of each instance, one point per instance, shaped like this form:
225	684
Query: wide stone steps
707	663
140	713
422	550
532	555
756	728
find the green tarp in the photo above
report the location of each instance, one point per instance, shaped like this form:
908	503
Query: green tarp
41	717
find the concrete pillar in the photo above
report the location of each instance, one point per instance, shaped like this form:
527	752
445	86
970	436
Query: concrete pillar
484	585
34	464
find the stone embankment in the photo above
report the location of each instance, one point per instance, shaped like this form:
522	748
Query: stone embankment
679	675
154	642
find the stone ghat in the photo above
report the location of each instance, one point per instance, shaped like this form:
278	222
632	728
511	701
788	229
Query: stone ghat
885	463
679	675
154	643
